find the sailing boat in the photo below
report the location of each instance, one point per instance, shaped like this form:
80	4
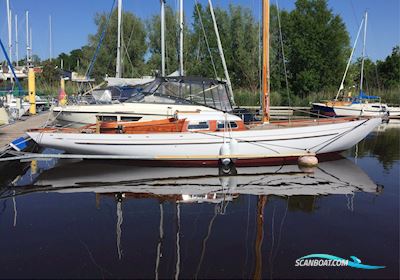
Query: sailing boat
361	105
158	98
212	138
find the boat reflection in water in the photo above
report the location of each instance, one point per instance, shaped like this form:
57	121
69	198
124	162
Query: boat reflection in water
330	177
177	186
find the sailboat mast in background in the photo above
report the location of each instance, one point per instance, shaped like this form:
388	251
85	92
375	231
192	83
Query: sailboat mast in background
27	37
162	19
16	40
118	64
50	40
181	73
9	30
363	53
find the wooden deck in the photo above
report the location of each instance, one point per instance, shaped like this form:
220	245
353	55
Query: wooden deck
12	131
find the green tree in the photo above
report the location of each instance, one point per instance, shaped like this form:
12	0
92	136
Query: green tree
370	74
318	47
71	61
133	47
50	75
389	70
239	37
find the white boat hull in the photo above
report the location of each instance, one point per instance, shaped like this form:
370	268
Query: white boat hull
204	148
367	110
394	111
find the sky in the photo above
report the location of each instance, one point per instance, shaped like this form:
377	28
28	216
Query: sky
73	21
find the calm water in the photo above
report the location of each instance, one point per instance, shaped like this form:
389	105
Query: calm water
112	220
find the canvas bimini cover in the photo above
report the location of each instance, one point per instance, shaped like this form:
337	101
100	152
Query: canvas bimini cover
196	90
362	95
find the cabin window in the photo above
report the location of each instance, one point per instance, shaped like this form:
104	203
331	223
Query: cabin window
107	118
221	125
198	125
130	119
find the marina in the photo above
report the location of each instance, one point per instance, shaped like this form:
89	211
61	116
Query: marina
185	221
200	141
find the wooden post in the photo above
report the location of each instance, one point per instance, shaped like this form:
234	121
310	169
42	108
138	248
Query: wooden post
265	69
32	91
63	100
62	84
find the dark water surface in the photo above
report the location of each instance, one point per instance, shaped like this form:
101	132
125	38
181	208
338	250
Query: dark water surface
91	219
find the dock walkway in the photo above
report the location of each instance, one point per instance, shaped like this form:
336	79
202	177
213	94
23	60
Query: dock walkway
12	131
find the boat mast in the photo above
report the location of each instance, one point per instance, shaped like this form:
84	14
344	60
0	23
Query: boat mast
9	30
363	53
16	39
181	71
265	68
118	64
162	19
30	45
50	40
27	37
221	52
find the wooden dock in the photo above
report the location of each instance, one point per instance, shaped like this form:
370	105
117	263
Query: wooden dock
12	131
278	110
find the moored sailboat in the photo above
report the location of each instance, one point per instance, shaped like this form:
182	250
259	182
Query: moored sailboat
360	105
207	138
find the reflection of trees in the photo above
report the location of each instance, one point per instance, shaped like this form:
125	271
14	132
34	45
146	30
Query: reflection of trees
383	145
10	170
303	203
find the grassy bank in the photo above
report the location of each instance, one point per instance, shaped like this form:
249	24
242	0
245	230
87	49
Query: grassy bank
245	97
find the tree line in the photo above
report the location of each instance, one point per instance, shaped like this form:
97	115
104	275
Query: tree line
316	46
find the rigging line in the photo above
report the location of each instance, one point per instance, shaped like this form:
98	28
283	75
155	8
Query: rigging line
129	57
340	180
205	243
262	179
283	53
160	241
274	145
100	268
354	12
242	140
178	253
129	41
206	38
15	210
90	67
272	241
338	136
247	236
280	228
